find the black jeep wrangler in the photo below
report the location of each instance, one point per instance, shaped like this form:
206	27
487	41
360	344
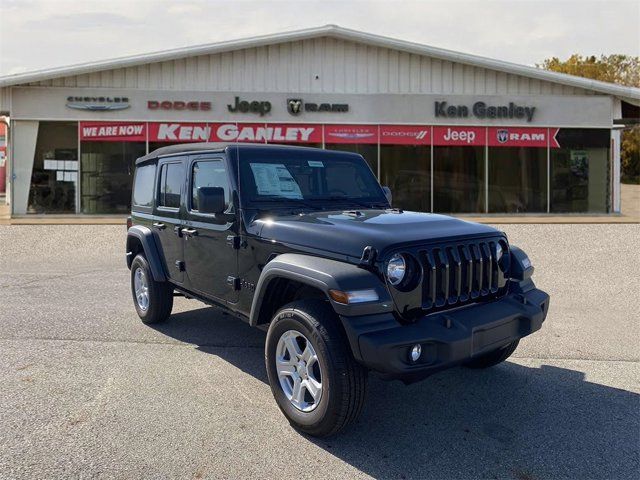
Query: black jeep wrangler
304	243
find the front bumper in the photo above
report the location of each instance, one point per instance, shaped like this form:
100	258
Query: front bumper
447	338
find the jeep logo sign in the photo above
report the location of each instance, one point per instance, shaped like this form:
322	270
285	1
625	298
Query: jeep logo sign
254	106
484	111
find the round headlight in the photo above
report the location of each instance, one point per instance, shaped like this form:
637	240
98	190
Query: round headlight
396	269
502	256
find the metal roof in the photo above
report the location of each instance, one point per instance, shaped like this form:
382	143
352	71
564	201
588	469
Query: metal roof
330	31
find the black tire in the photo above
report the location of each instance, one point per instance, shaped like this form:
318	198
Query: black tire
160	294
344	381
493	358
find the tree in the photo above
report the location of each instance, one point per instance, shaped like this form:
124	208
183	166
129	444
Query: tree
620	69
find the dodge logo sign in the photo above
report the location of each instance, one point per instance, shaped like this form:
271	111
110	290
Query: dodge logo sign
294	105
502	135
178	105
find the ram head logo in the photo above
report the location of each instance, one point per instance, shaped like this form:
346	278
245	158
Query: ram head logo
294	106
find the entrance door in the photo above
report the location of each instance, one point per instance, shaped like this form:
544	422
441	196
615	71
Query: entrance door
210	258
167	222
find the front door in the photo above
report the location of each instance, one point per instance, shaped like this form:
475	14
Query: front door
210	258
167	223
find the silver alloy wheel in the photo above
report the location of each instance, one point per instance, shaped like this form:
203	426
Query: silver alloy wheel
141	288
299	371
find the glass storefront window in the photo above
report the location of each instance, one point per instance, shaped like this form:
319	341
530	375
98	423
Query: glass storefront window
580	171
369	152
406	170
54	178
107	175
458	179
517	180
446	178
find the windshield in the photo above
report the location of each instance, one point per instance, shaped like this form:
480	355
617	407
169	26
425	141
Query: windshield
306	179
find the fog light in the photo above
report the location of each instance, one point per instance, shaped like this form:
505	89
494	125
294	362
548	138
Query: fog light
416	351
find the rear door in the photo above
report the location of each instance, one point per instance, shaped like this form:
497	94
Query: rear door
211	260
167	223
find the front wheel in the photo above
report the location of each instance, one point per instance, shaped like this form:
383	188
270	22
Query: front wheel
153	300
493	358
314	378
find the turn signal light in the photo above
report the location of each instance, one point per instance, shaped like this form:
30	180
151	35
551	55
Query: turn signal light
353	296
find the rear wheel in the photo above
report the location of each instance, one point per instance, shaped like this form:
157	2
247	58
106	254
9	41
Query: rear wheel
153	300
314	378
493	358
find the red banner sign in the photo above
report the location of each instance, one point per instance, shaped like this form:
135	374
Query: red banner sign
522	137
351	134
405	135
113	131
459	136
181	132
173	132
267	133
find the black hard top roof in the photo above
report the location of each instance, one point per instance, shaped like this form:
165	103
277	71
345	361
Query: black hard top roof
212	147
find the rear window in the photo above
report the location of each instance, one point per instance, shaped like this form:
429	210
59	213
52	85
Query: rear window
171	180
143	185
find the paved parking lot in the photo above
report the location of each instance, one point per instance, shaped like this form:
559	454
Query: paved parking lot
87	391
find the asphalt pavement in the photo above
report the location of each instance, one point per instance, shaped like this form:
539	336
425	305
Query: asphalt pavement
88	391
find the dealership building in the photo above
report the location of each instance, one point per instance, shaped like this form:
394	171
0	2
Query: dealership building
446	131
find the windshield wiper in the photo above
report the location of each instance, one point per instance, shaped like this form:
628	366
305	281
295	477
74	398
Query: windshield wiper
352	200
284	200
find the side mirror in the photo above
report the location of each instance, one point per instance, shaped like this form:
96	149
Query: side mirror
387	193
211	200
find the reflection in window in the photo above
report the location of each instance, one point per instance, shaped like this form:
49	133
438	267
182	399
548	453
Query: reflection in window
54	178
406	170
517	180
208	174
369	152
171	179
458	179
107	175
580	171
143	185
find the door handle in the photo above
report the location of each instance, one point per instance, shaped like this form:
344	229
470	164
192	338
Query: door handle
190	232
159	225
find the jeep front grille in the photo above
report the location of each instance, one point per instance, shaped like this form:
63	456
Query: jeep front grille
454	274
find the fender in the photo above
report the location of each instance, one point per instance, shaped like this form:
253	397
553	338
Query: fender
520	265
324	274
148	242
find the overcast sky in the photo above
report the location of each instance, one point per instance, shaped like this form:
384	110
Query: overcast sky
37	34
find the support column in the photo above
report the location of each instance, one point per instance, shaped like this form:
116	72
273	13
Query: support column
24	135
615	167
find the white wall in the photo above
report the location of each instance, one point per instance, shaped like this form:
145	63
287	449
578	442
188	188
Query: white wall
340	66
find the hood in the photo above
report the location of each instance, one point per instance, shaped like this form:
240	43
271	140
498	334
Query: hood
349	232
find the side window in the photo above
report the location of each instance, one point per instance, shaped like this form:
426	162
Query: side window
143	185
171	180
209	173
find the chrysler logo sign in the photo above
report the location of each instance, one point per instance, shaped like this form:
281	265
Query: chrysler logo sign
98	104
